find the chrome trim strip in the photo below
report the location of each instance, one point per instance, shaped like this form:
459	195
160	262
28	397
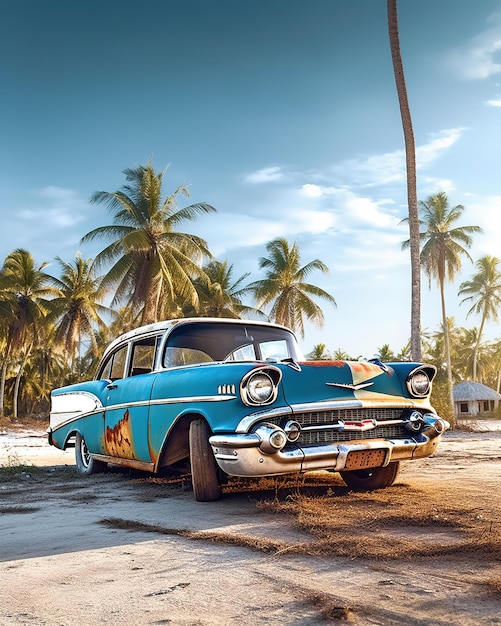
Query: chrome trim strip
354	387
333	405
249	420
114	407
160	401
327	405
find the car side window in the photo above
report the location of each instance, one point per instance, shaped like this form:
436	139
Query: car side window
143	356
114	367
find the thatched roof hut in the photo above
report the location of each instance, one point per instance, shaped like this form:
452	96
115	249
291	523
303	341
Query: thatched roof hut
473	399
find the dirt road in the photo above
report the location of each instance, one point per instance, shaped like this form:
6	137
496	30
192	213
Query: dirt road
121	548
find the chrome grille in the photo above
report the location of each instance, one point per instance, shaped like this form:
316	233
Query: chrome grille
331	417
316	418
395	431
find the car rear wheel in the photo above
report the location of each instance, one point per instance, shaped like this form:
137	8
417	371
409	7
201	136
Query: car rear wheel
371	478
85	463
203	464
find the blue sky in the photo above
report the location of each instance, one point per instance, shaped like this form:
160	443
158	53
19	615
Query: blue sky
280	113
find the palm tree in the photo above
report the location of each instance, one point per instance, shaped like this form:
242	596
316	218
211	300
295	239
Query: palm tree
484	292
125	319
76	309
495	366
49	363
285	289
25	288
443	246
385	353
151	260
410	162
468	355
219	295
341	355
405	353
318	353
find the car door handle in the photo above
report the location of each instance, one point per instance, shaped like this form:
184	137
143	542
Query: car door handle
111	386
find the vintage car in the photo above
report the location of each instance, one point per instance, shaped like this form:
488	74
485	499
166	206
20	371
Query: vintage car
221	397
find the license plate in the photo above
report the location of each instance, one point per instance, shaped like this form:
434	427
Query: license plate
360	459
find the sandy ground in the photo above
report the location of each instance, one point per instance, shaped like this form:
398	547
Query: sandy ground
76	550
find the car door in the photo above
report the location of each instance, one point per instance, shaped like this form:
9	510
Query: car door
126	422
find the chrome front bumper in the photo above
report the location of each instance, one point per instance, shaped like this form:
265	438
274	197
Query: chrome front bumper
241	455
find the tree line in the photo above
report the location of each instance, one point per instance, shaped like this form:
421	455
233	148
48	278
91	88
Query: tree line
53	329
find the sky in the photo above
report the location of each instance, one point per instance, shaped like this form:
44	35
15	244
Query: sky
282	114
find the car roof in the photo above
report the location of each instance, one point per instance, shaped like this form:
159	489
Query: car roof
162	326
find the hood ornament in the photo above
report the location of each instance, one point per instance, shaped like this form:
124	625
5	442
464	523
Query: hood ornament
354	387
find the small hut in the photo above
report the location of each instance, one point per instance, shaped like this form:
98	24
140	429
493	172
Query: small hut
474	400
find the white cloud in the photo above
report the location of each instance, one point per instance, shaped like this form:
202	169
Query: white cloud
484	212
265	175
494	103
388	168
380	169
48	222
369	213
439	143
311	191
225	231
475	60
57	194
429	185
375	253
353	210
55	207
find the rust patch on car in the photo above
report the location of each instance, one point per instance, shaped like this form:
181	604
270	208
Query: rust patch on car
118	440
365	368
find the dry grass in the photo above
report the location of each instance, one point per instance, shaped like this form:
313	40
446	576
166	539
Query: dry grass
260	544
493	585
23	423
400	522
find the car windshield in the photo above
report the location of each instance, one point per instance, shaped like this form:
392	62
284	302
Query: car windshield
214	341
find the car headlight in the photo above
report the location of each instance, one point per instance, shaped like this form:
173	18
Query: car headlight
419	383
260	387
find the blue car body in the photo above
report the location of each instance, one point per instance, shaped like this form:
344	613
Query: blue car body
223	398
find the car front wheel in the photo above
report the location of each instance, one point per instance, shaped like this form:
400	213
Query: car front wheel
203	464
84	462
371	478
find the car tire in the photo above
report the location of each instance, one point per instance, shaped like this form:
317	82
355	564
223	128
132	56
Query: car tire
84	462
204	473
371	478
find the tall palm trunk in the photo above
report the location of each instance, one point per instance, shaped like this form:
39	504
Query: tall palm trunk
150	310
17	384
3	376
477	348
410	161
447	350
